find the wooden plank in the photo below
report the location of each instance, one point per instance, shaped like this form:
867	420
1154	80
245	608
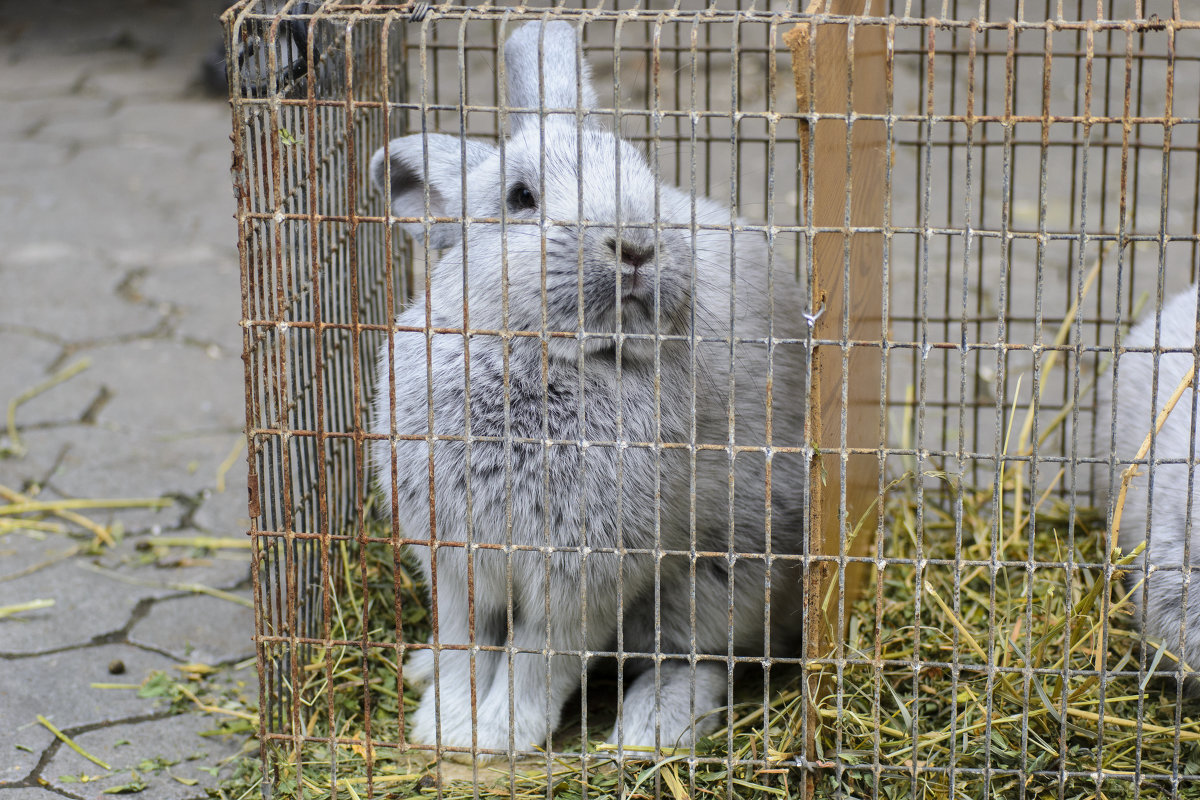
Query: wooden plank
847	168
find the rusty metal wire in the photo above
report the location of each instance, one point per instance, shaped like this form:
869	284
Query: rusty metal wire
1041	194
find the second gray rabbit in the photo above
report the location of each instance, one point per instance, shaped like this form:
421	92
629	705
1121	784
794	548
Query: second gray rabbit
1161	516
570	470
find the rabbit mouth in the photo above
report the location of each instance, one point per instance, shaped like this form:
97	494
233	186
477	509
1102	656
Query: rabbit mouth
632	291
637	289
637	299
632	283
642	303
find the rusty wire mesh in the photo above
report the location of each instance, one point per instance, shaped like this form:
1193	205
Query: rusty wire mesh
1040	196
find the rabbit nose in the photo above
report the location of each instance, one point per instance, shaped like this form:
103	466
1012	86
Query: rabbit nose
631	254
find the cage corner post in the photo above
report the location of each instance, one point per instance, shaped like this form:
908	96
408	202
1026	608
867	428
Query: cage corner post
840	70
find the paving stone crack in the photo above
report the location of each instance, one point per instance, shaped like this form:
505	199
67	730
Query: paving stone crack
102	398
47	425
31	780
103	110
129	287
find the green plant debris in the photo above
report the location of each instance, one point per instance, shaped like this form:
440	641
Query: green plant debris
133	787
157	684
1028	673
20	504
71	743
34	506
20	608
15	447
157	764
231	459
200	542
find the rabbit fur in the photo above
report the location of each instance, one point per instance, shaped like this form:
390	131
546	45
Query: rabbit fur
1156	508
533	476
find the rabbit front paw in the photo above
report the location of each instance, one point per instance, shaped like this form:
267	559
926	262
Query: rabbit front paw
486	729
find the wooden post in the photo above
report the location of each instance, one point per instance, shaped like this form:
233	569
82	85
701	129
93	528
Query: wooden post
847	167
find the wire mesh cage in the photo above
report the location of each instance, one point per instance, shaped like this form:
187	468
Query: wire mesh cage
721	401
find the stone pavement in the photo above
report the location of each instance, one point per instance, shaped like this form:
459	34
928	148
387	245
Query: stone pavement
117	249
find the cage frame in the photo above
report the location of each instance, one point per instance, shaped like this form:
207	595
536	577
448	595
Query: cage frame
835	334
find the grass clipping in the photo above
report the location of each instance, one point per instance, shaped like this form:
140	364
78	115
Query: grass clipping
1011	654
968	664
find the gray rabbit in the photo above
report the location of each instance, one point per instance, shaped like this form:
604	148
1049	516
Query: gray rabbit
567	470
1161	516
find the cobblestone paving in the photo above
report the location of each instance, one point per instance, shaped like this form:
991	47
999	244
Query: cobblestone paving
117	249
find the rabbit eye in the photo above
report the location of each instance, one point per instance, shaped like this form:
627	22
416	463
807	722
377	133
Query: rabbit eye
521	199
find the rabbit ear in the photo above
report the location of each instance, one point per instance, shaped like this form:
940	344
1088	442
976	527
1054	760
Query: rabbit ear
551	80
405	179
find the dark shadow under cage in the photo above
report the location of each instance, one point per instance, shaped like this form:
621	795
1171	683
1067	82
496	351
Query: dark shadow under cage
975	205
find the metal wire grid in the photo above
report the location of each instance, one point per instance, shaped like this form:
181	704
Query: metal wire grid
1026	153
300	576
310	276
1044	198
1053	173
